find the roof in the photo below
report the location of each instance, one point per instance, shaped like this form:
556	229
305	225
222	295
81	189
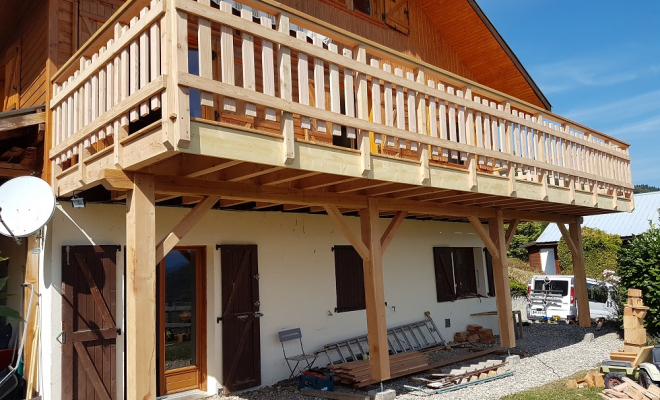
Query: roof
620	224
482	49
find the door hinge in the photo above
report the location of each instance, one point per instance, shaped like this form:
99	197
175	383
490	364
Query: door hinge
257	303
256	276
68	250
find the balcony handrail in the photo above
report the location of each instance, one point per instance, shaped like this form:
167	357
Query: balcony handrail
333	32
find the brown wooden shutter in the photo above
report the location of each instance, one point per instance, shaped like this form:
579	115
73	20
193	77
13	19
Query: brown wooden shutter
489	273
397	15
466	280
349	278
444	274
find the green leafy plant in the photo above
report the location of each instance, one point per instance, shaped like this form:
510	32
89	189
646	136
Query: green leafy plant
639	268
527	232
517	289
6	311
600	253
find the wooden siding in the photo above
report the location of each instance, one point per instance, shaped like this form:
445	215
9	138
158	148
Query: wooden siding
425	42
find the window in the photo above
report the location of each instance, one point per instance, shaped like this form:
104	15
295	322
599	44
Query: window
597	293
362	6
559	287
455	275
349	279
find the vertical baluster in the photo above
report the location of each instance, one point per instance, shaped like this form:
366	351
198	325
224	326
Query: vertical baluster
433	117
144	62
507	132
109	86
471	161
420	104
479	126
134	71
286	90
335	98
204	55
442	114
375	101
319	84
102	87
412	110
247	51
303	81
451	119
64	116
154	47
400	108
87	101
75	105
494	132
57	123
268	68
487	134
69	116
516	135
227	57
461	125
362	95
349	93
389	105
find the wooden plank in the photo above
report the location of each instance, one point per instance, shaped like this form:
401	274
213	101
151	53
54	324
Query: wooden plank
286	91
205	54
338	220
391	229
319	84
247	52
349	93
144	62
501	278
335	98
412	110
581	292
87	365
400	108
227	57
181	109
22	120
154	46
101	306
376	103
134	71
141	289
268	69
374	293
184	226
362	97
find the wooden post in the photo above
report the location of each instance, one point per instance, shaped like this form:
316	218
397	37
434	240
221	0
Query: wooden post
362	97
31	276
286	91
501	277
581	294
374	292
141	289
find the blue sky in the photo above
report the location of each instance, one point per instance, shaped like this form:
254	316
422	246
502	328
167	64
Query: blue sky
597	62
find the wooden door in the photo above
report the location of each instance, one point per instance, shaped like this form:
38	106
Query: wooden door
181	316
89	291
241	347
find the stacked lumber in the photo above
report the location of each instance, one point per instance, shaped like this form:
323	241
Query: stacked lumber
634	336
592	379
631	390
469	373
475	334
355	373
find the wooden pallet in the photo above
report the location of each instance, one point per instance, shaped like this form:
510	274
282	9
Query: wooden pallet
631	390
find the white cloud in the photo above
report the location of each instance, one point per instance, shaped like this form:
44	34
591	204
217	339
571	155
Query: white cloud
618	111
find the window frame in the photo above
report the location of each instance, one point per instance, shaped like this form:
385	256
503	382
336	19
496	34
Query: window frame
347	6
455	284
354	282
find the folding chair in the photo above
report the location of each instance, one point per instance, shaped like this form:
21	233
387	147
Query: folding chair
293	334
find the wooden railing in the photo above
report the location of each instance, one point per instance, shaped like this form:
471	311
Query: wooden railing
300	74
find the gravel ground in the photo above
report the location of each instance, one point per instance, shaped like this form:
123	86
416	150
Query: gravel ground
553	352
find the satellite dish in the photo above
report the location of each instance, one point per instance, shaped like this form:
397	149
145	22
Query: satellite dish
26	205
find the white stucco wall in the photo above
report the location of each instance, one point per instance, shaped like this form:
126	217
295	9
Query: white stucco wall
297	282
548	261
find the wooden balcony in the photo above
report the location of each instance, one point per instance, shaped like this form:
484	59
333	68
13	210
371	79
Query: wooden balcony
278	110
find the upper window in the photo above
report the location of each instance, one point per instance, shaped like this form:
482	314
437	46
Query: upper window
349	279
362	6
455	275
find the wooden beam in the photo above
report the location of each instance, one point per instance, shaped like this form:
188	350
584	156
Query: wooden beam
338	219
374	294
513	225
483	235
501	278
184	226
141	289
581	293
31	276
20	121
567	238
391	230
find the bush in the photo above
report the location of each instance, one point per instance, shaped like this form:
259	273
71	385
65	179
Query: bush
517	289
639	268
600	253
527	232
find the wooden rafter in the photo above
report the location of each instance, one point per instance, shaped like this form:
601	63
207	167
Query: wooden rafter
184	226
10	123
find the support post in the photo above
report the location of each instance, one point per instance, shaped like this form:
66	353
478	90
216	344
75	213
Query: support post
141	289
501	277
582	296
374	292
286	91
31	345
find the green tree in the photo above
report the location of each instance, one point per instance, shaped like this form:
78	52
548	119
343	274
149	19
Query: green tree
600	253
639	268
645	189
527	232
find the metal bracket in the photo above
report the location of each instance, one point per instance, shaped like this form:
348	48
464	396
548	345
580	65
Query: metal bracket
61	336
68	250
256	276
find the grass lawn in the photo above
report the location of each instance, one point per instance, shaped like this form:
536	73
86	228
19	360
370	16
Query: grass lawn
557	390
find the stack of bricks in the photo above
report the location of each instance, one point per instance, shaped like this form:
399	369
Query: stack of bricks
475	334
634	312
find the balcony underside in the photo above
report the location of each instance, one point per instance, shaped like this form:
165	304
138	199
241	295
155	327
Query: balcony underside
248	170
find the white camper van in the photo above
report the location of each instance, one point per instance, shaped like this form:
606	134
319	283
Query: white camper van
554	296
